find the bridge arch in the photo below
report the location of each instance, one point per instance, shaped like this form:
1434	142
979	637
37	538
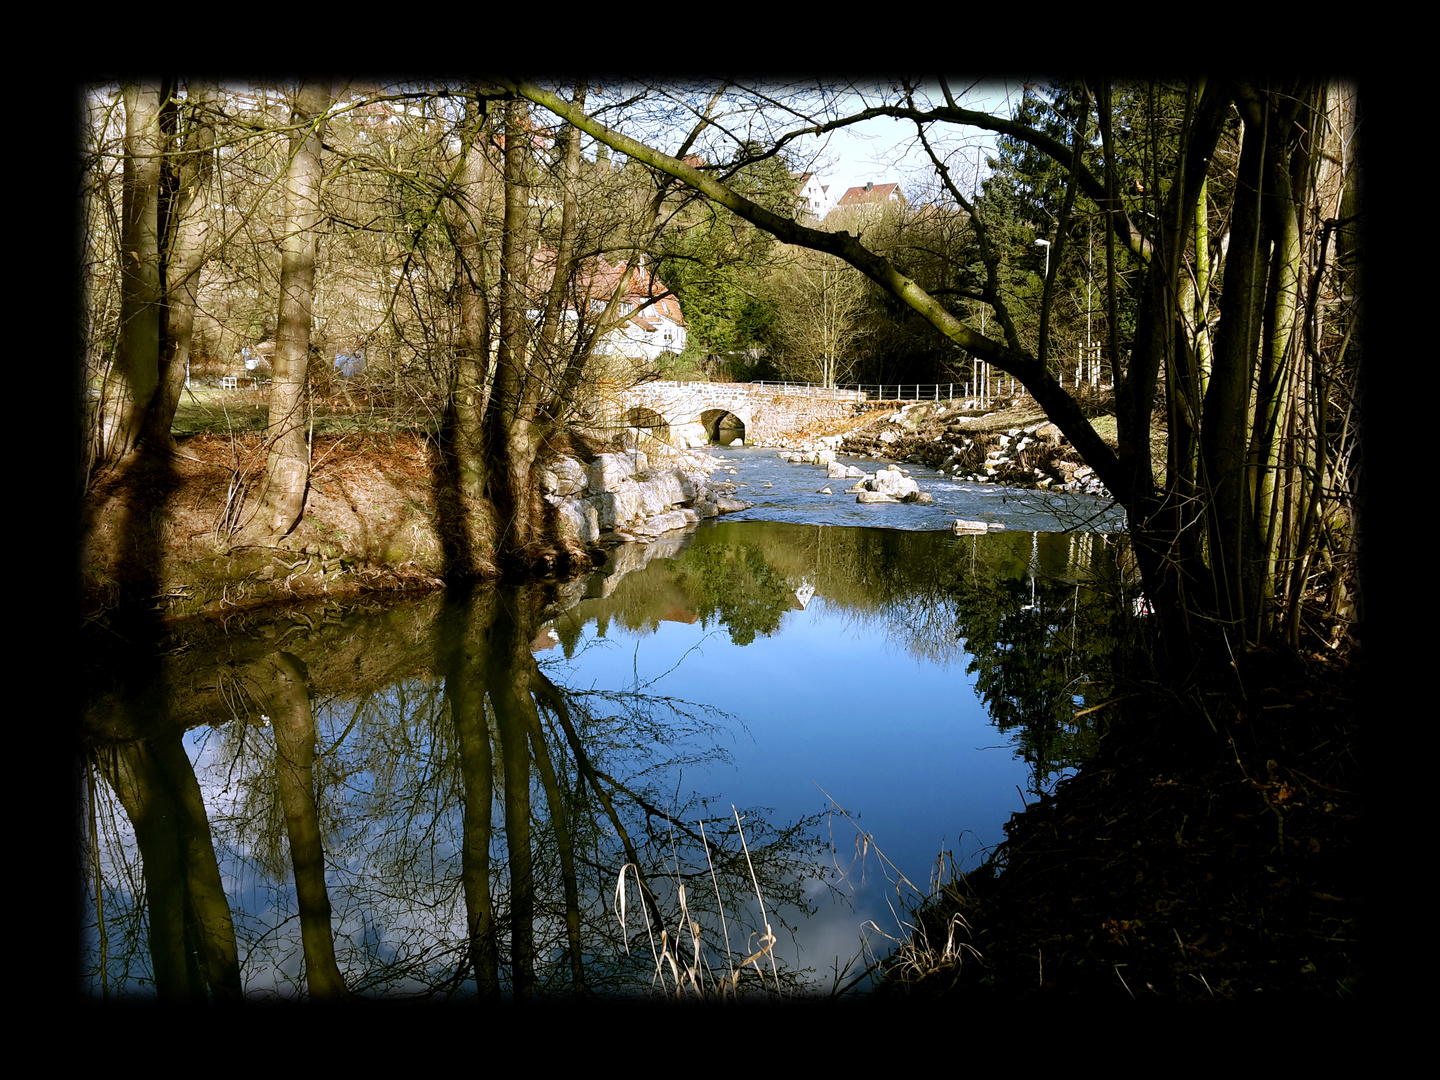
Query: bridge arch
697	413
722	426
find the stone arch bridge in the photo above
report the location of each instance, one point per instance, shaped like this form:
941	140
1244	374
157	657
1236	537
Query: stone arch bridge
699	413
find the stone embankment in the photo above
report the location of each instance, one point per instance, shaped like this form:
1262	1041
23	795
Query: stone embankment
1027	453
372	521
636	494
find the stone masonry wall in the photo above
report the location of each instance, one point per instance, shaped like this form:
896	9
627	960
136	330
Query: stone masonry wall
770	413
779	415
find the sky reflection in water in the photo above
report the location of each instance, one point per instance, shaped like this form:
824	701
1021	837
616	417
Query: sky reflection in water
860	688
849	695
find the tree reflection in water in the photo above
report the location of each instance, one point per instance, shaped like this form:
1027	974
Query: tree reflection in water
1043	646
396	820
408	802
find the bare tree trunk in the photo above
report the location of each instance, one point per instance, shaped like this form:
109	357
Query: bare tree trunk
565	254
1226	410
468	392
136	371
188	231
287	472
1273	421
294	725
192	934
511	423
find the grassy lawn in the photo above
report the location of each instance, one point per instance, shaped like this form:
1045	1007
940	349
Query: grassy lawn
206	410
220	412
1159	440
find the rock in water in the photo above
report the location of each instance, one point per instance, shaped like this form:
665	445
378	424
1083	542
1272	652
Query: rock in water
960	525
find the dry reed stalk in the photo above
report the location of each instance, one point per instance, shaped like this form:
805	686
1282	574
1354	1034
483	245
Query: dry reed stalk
677	978
914	953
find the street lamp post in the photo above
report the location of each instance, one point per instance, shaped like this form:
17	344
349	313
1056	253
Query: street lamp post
1046	279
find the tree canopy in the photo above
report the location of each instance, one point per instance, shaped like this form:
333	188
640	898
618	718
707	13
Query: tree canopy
1191	248
1224	206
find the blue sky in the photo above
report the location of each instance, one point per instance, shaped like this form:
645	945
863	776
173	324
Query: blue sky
886	151
880	151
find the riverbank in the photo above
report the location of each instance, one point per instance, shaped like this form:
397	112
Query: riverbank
1015	446
1185	875
374	520
158	537
1226	869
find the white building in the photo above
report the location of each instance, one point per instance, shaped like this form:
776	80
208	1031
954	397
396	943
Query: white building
649	330
652	322
816	198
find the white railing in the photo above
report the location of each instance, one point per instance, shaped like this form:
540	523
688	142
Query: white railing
852	392
872	391
998	386
668	384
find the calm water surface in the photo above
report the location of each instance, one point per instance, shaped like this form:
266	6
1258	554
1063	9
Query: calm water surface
437	798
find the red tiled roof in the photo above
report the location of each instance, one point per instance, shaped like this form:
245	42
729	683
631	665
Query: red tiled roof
598	279
876	194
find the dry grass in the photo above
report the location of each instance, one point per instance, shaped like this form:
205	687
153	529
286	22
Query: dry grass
683	968
917	958
914	956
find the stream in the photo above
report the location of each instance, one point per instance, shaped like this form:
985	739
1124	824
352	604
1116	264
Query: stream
792	717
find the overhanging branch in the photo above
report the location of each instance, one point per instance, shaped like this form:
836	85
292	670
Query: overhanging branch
1059	406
